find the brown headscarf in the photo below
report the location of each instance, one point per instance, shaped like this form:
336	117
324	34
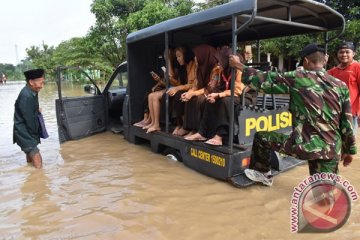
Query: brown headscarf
206	56
220	76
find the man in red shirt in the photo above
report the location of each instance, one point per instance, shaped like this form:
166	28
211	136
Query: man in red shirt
348	71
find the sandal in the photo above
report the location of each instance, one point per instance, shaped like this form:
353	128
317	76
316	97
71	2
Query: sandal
214	141
195	137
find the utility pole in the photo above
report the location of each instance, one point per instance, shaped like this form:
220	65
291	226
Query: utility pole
17	60
16	54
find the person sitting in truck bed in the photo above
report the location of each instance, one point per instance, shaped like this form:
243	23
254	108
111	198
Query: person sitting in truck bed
159	86
146	122
206	58
155	98
215	123
187	75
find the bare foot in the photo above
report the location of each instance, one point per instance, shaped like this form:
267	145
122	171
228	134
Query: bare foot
153	129
195	137
175	132
216	141
147	126
189	134
182	132
139	124
147	122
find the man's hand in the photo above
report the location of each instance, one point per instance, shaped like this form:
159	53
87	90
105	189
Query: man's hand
347	159
234	61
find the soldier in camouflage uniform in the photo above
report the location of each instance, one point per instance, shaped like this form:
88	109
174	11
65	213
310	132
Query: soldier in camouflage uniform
322	120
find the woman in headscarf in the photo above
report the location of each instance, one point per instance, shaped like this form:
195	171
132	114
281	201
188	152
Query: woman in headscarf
187	76
206	59
215	122
154	98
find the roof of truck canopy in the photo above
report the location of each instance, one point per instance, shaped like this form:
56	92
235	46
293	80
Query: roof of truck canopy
273	18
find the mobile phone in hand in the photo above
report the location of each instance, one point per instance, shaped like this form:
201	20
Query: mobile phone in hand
154	75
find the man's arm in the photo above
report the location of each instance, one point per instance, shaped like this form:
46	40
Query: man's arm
268	82
358	84
346	128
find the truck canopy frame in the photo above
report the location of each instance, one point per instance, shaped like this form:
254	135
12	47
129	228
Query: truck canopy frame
273	18
236	21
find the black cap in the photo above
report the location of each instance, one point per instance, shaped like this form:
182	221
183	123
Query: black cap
346	45
311	48
34	73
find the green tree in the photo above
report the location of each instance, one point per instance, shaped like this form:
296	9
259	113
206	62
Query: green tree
109	32
291	46
212	3
42	57
352	32
350	9
78	52
8	70
15	72
155	12
115	19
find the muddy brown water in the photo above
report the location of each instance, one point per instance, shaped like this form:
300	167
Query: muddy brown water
103	187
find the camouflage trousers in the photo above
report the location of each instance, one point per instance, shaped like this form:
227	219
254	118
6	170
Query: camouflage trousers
266	142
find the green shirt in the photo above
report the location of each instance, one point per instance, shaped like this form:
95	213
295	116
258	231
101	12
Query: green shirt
320	106
26	124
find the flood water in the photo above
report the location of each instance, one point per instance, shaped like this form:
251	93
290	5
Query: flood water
103	187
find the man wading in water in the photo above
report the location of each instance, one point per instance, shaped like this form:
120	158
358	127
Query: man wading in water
26	125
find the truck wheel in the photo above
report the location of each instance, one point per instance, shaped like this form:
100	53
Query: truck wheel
173	154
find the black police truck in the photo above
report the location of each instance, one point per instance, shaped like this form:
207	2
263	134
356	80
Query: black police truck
232	23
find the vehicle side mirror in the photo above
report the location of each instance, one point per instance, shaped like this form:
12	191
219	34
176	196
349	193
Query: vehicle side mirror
90	88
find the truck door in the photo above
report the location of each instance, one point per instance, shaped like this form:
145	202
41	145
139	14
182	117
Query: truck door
81	108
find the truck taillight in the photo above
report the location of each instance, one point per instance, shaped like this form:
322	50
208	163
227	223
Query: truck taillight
245	162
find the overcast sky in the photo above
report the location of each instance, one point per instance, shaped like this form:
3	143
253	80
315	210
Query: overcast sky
24	23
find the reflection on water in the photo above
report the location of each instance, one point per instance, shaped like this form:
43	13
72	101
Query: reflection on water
105	188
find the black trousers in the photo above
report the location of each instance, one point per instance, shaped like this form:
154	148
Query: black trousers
216	118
